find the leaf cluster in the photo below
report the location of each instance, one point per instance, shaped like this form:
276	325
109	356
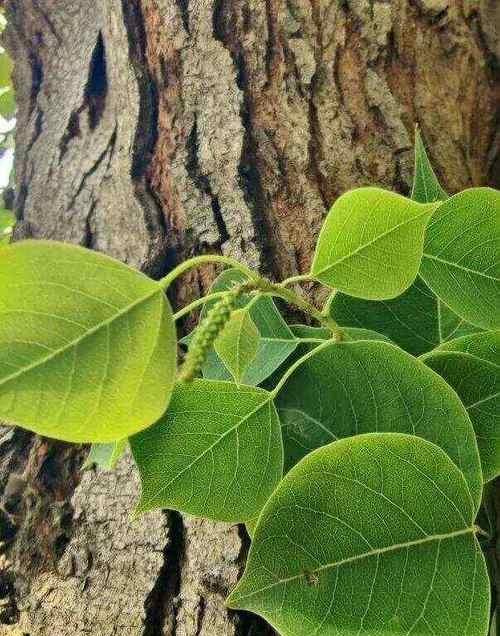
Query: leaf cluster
357	452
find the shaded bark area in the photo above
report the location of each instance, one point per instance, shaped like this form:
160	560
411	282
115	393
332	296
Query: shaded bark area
156	129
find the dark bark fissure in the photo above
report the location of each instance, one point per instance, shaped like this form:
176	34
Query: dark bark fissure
161	602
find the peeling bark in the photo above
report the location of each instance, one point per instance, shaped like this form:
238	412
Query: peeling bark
155	129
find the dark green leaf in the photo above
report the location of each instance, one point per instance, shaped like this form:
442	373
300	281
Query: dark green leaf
369	535
349	388
471	365
216	453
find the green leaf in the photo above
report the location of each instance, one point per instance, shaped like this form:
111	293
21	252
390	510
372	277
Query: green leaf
460	262
87	345
426	187
368	536
6	67
471	365
7	103
238	343
417	320
371	243
216	453
105	456
276	342
349	388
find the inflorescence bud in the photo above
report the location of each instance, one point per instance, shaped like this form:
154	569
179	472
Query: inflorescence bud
206	334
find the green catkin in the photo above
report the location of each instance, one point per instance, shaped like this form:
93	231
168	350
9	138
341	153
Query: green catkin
207	333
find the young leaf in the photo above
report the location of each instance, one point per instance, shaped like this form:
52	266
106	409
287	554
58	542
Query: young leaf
87	345
216	453
105	456
276	341
460	262
238	343
471	365
349	388
371	243
368	536
417	320
426	187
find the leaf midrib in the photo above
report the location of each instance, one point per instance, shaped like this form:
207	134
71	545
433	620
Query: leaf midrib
364	555
81	338
373	241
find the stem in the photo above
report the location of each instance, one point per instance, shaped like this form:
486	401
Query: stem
299	301
198	303
202	260
296	279
297	363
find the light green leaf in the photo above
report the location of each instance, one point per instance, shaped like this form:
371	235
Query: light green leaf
238	343
105	456
216	453
417	320
471	365
276	340
6	67
371	243
349	388
460	262
7	103
368	536
426	187
87	345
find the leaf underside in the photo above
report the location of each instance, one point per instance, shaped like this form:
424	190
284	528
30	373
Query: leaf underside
87	345
348	544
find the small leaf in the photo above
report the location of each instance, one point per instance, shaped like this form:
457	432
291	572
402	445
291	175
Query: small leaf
471	366
238	343
426	187
105	456
87	345
368	536
371	243
6	67
216	453
460	262
417	320
349	388
276	340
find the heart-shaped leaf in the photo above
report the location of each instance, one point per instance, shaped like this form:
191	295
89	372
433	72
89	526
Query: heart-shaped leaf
276	341
460	262
87	345
368	536
471	365
417	320
426	187
238	343
371	243
345	389
216	453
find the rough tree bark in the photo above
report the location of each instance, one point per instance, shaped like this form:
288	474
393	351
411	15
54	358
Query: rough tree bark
155	129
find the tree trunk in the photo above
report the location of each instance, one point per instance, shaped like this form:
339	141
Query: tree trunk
156	129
